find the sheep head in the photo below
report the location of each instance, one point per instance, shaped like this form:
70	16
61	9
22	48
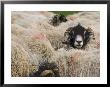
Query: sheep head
57	19
47	70
78	36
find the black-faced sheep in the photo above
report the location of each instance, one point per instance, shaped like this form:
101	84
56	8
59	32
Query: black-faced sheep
78	36
57	19
47	69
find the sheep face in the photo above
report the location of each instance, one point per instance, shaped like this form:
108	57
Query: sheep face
57	19
77	36
78	42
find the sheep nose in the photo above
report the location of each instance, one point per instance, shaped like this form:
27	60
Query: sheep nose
79	42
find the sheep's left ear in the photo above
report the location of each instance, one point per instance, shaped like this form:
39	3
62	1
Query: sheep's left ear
91	32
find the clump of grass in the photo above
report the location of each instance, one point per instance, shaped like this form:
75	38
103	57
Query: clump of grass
65	13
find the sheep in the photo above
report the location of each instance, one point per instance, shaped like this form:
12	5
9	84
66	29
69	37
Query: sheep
57	19
78	36
19	60
33	45
46	69
78	63
42	42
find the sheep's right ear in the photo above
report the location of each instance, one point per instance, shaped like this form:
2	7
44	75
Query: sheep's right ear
91	32
89	29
